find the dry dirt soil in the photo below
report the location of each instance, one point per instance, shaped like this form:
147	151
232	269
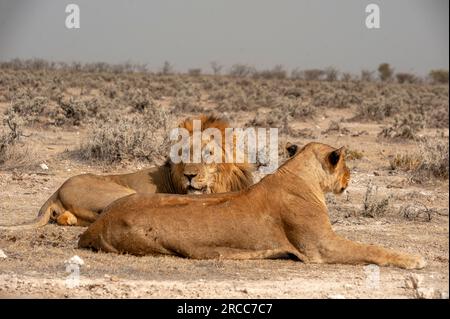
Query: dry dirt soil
35	263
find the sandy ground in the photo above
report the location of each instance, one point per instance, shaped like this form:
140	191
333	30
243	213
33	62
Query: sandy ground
35	263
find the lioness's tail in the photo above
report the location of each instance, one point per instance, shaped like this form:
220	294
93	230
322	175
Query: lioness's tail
52	204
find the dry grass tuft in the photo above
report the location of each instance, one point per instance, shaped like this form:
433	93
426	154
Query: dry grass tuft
374	206
142	137
430	160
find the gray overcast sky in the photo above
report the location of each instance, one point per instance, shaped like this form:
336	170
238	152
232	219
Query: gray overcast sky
191	33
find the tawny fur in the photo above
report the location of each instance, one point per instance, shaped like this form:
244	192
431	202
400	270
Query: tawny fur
82	198
283	215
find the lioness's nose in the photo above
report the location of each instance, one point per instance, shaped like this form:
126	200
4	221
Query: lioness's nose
190	176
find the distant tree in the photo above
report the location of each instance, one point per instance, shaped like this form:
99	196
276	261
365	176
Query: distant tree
331	74
216	67
313	74
385	72
297	74
277	72
346	77
195	72
242	70
367	76
167	68
439	76
406	78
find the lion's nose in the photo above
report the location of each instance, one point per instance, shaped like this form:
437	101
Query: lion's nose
190	176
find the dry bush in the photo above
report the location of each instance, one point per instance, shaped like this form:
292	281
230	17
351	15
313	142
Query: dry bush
335	127
352	154
404	127
195	72
277	72
331	74
143	137
186	104
417	211
295	109
430	160
14	154
374	206
167	68
406	162
216	67
110	91
241	70
367	76
338	98
74	111
385	72
313	74
439	76
28	108
406	78
376	109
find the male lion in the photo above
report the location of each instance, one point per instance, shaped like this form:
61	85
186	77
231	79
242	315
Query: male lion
81	199
283	215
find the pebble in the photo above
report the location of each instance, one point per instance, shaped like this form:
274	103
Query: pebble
2	254
43	166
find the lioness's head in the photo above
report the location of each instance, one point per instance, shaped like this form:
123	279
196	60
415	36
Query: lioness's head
325	162
211	177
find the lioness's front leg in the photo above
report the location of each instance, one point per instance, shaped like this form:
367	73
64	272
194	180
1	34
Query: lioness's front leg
340	250
239	254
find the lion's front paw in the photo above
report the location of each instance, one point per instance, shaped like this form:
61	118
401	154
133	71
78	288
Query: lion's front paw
66	219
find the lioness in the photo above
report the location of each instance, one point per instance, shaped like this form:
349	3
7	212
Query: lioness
283	215
81	199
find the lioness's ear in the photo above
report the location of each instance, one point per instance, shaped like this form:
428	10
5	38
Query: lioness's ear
291	149
335	156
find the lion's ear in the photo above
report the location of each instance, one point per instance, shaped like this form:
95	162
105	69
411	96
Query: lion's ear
335	156
291	149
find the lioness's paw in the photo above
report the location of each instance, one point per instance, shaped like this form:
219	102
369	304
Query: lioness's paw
415	262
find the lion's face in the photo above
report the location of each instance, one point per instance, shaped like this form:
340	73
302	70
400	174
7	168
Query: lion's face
209	176
197	178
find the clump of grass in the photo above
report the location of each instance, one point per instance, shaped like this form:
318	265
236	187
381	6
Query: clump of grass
142	137
376	109
352	155
417	211
13	153
28	108
375	206
430	160
188	104
406	127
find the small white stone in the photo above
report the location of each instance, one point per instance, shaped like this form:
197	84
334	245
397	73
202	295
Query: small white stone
43	166
2	254
75	260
